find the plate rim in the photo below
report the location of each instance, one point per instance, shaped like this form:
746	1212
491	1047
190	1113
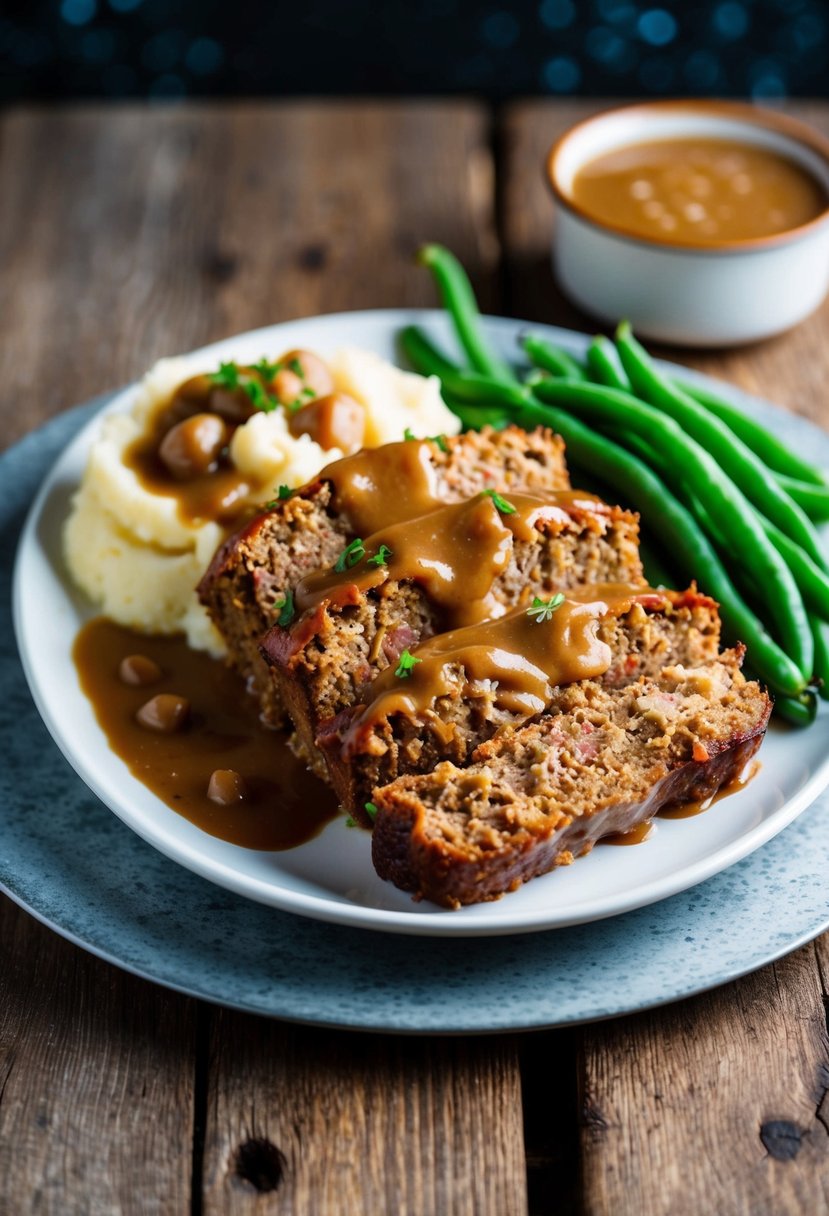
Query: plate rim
433	923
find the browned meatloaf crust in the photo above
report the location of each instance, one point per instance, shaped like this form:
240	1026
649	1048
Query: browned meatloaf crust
323	663
604	762
363	751
252	570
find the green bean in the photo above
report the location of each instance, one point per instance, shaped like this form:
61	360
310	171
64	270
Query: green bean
474	388
820	631
797	711
814	500
604	365
551	358
730	453
772	451
459	301
812	581
423	355
706	479
473	417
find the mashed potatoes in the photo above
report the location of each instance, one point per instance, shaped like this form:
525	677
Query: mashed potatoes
139	559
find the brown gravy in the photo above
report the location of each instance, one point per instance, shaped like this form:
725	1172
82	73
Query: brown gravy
217	494
285	805
698	191
685	810
524	654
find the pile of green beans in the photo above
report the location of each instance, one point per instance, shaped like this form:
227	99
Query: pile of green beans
739	517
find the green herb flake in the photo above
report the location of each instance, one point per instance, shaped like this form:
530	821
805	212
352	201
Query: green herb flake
284	492
409	435
227	375
351	822
543	610
308	393
287	611
296	367
351	554
266	370
405	667
371	810
501	504
381	557
261	400
440	440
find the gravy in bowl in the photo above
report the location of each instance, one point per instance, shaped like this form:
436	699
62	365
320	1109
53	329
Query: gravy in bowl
698	191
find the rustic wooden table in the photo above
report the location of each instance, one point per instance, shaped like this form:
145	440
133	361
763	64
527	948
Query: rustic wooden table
130	233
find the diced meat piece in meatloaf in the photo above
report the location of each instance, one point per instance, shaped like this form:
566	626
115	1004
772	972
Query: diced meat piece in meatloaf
446	709
605	761
251	572
324	662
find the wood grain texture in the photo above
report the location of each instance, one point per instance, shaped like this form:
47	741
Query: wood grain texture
96	1097
716	1105
303	1121
135	232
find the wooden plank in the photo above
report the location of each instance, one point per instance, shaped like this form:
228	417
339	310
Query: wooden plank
790	370
135	232
718	1104
306	1121
96	1095
138	232
723	1097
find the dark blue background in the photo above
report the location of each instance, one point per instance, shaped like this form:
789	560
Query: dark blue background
176	48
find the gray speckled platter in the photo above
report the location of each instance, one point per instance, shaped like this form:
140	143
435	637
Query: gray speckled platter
75	866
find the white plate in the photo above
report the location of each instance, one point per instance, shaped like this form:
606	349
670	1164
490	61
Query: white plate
331	877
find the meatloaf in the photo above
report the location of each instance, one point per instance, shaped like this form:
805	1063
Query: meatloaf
605	761
475	563
245	587
474	682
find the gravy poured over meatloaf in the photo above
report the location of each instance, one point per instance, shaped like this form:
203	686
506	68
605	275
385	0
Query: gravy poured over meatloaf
468	650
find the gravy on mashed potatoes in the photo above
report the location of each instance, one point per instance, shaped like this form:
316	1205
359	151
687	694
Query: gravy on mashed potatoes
200	451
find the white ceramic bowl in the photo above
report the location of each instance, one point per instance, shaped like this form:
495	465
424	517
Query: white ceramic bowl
714	295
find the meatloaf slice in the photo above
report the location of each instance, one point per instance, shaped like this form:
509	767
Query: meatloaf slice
472	683
605	761
324	662
245	585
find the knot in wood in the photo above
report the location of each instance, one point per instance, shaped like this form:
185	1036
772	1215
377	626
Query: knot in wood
261	1164
781	1139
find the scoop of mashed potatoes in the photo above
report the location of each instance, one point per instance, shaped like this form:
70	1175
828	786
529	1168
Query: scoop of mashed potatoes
135	555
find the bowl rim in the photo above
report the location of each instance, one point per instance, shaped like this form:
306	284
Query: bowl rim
745	112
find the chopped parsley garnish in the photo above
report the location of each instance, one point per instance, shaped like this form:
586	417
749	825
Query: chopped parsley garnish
286	607
263	401
266	370
440	440
308	393
296	368
227	375
370	810
351	554
543	610
501	504
405	667
381	557
351	822
281	494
